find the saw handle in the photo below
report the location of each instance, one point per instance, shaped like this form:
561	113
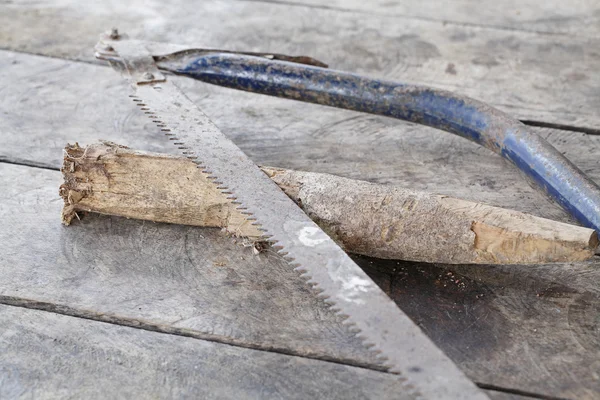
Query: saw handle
440	109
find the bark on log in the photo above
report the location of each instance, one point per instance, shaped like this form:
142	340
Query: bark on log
365	218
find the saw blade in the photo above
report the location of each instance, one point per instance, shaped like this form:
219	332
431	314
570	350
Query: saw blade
401	346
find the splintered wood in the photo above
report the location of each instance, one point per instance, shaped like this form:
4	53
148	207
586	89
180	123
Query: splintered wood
364	218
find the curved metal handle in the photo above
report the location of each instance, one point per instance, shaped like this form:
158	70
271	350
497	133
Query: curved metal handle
440	109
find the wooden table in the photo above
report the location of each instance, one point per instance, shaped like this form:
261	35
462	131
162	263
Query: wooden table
115	308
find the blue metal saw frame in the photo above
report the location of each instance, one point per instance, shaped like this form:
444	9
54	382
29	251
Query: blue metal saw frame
440	109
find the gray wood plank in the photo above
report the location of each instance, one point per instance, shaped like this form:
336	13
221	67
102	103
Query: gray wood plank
541	77
167	276
536	327
47	103
577	17
47	356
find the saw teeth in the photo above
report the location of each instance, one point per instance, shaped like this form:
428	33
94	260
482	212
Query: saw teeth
279	249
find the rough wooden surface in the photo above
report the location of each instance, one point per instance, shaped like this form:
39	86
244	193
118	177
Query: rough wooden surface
178	277
197	282
46	356
376	220
548	78
536	321
45	103
94	105
576	18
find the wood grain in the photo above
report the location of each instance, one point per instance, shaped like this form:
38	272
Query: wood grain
545	321
46	355
575	18
533	76
41	115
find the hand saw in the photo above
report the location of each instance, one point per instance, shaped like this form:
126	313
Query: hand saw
402	347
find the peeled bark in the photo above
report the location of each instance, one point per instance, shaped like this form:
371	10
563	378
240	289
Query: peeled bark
364	218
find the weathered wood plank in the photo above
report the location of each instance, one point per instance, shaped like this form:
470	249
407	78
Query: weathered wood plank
577	18
198	282
549	78
183	277
527	65
542	321
46	355
47	103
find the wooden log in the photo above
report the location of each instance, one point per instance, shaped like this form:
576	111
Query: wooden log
365	218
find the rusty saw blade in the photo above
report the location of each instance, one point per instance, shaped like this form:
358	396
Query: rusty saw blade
400	345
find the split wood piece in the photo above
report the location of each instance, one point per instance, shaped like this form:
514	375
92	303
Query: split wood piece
365	218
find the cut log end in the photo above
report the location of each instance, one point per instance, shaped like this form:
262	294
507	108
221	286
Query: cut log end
111	179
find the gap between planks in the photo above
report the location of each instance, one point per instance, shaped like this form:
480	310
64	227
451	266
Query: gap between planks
518	392
28	164
169	330
137	324
408	17
535	123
